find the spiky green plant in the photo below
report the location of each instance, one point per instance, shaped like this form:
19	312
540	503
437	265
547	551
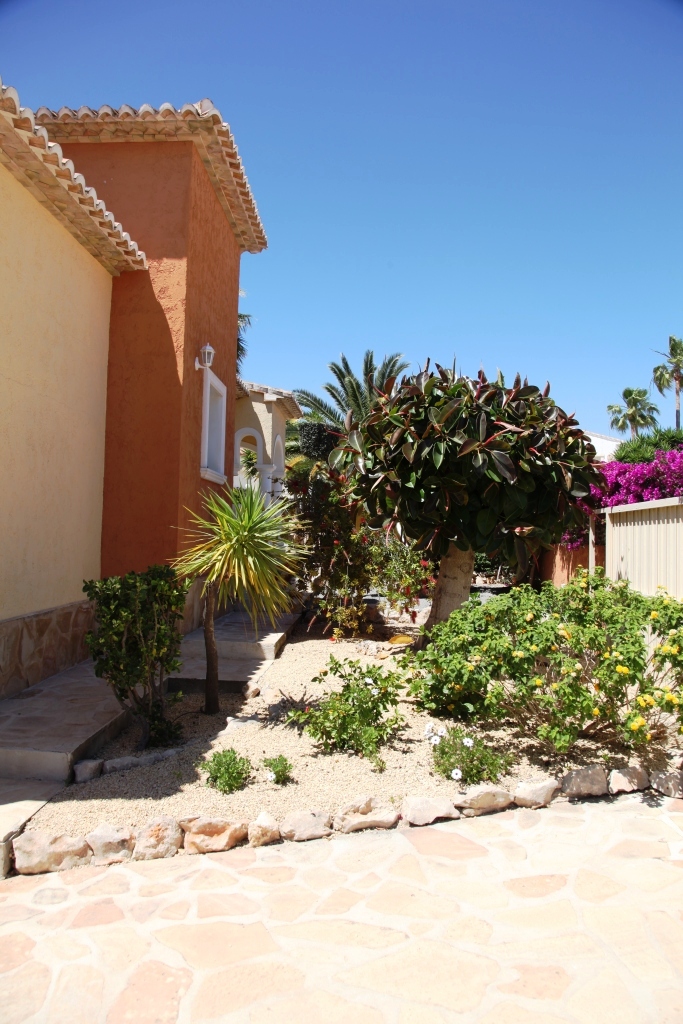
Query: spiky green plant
245	551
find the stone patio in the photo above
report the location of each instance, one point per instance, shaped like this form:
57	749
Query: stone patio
570	914
54	723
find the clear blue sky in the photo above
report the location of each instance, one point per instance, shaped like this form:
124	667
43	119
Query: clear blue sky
496	179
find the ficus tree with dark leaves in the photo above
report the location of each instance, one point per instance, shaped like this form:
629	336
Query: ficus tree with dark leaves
464	465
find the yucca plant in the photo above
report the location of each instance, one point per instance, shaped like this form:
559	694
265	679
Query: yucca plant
245	551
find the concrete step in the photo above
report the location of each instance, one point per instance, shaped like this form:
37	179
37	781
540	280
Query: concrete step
49	726
237	640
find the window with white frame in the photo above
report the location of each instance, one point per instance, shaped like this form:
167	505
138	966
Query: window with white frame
214	408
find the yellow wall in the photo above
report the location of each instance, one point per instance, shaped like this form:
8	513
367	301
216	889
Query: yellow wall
54	335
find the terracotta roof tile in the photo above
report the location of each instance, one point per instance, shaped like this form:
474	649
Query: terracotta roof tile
199	123
27	152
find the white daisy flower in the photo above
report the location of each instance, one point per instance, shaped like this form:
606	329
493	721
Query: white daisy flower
435	740
456	775
467	742
374	690
271	776
441	732
429	729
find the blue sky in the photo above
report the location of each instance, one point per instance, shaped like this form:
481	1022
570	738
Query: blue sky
500	180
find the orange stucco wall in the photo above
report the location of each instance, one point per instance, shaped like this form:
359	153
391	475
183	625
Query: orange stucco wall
160	318
559	564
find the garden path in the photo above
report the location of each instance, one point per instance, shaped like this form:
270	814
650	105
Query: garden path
570	914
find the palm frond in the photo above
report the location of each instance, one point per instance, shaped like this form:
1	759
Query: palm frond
319	407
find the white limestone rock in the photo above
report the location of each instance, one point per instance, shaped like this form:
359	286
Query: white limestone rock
212	835
160	838
668	783
365	812
84	771
628	780
423	810
537	793
120	764
483	799
585	782
263	830
111	845
300	826
37	852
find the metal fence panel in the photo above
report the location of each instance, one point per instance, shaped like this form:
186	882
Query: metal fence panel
644	544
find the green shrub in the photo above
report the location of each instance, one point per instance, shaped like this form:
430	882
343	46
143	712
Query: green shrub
279	768
137	642
466	758
316	440
644	447
227	771
593	658
359	717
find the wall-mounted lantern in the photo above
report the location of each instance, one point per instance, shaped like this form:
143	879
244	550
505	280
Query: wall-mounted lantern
205	359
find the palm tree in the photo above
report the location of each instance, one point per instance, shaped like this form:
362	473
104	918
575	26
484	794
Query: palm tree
350	392
243	322
636	412
670	373
244	551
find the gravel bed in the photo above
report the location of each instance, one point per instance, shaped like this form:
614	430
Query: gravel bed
176	787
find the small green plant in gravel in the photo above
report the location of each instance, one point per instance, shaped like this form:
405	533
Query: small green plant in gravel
465	758
279	769
227	771
359	717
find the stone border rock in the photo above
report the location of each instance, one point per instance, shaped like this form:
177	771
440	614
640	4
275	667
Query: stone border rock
38	852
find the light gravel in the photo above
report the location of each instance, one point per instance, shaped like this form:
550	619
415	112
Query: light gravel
177	787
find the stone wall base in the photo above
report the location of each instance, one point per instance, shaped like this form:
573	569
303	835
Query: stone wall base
33	647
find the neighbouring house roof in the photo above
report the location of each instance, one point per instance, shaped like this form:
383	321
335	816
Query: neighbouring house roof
27	152
245	388
199	123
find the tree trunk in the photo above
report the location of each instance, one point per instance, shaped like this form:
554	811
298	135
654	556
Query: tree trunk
452	585
211	705
677	388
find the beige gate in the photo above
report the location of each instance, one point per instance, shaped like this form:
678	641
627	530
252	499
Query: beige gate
644	544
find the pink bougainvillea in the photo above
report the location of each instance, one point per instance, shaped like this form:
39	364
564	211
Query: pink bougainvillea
627	484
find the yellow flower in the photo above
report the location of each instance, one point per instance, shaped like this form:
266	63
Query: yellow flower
606	654
675	648
530	617
622	670
649	736
616	655
654	615
637	723
666	648
555	615
470	668
596	712
672	698
533	647
583	584
554	686
554	647
673	632
518	654
537	681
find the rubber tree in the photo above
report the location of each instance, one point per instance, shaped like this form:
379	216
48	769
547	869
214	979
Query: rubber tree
463	465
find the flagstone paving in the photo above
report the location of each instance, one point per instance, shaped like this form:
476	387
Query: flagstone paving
570	914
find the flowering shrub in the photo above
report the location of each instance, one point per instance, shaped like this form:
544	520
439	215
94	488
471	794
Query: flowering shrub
645	481
466	759
279	769
355	717
591	658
